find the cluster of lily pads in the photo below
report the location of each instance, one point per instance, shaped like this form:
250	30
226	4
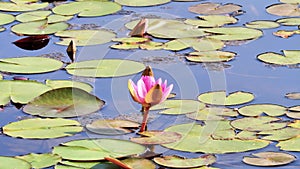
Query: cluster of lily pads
224	129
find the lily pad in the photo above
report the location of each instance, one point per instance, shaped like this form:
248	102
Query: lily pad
33	16
6	163
112	127
6	18
214	8
284	9
267	159
293	96
233	33
199	44
294	112
97	149
105	68
55	84
286	33
262	24
210	56
88	164
179	162
38	128
289	57
211	21
137	163
156	137
2	29
261	123
258	109
212	113
289	21
20	7
176	107
280	134
141	3
38	28
220	98
295	124
41	160
85	37
64	102
290	144
20	91
87	8
29	65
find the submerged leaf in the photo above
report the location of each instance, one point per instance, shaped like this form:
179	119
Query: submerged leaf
33	42
269	159
179	162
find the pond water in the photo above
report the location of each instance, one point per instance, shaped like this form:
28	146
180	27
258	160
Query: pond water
268	83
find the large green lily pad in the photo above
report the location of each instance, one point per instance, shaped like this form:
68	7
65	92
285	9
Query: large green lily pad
38	28
20	7
29	65
55	84
64	102
289	21
105	68
280	134
33	16
41	160
211	21
176	107
258	109
262	24
289	57
38	128
210	56
290	1
290	144
85	37
268	159
20	91
283	9
213	113
97	149
156	137
6	18
6	163
179	162
87	8
141	3
220	98
214	8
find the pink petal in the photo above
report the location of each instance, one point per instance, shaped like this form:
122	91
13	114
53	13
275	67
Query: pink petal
149	82
133	90
158	81
141	90
166	93
164	85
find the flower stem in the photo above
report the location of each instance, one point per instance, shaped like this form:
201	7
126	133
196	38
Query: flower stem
117	162
145	119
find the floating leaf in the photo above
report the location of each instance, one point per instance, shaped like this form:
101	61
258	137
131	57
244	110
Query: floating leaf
29	65
211	21
179	162
201	44
290	144
105	68
64	102
20	91
294	112
247	135
212	113
41	160
295	124
6	163
97	149
262	24
20	7
260	123
178	106
283	9
33	16
210	56
33	42
289	57
214	8
233	33
131	40
112	127
268	159
286	33
140	3
293	96
38	28
137	163
85	37
156	137
58	18
38	128
220	98
2	29
289	21
6	18
258	109
55	84
87	8
280	134
290	1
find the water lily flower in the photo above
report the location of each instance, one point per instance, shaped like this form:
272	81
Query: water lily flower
148	92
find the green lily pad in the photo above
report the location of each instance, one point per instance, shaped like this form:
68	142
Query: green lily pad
55	84
137	163
294	112
85	37
156	137
212	113
196	138
20	91
214	8
1	77
176	107
260	123
180	162
289	57
211	21
290	144
65	167
246	135
38	28
141	3
41	160
210	56
295	124
2	29
29	65
201	44
112	127
64	102
258	109
220	98
6	163
87	8
131	40
289	21
20	7
38	128
33	16
262	24
290	1
293	96
233	33
6	18
268	159
280	134
97	149
125	46
105	68
58	18
283	9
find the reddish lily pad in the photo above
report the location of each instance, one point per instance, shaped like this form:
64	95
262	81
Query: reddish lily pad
180	162
214	8
268	159
283	9
156	137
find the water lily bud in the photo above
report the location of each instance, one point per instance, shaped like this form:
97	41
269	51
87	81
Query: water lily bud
148	71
